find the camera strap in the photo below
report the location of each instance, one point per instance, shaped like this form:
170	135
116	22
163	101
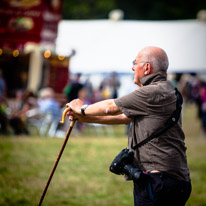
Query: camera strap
169	123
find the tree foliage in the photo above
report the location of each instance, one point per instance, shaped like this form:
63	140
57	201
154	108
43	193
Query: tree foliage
133	9
87	9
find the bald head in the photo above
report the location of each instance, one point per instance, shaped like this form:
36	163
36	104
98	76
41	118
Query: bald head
156	56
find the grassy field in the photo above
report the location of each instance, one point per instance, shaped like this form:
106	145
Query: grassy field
82	177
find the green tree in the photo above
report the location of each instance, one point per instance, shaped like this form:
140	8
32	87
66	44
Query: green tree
87	9
161	9
133	9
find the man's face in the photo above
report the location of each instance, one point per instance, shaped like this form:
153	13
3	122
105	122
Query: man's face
138	68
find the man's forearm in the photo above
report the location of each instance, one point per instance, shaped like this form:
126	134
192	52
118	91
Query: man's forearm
103	112
109	120
102	108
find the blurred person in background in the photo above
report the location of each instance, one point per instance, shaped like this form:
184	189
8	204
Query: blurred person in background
105	88
2	84
25	102
202	115
4	121
165	178
47	103
115	84
89	92
73	88
50	111
109	86
3	105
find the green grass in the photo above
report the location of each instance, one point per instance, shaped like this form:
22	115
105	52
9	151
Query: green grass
82	177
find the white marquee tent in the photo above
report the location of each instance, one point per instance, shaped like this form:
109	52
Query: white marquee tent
105	45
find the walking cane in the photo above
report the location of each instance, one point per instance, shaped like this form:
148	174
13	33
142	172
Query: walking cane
59	155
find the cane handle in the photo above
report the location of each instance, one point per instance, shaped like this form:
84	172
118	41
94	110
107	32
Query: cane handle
64	114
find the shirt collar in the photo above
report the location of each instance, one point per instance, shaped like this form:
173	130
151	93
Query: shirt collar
155	77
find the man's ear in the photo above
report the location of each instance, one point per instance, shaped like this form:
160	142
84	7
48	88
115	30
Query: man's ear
147	69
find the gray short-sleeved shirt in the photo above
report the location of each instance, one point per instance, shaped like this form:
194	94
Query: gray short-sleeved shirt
149	107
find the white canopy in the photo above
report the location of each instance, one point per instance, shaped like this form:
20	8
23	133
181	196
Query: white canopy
105	45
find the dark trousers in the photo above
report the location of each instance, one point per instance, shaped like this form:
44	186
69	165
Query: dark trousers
159	189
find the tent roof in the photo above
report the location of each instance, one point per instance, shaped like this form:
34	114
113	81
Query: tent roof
105	45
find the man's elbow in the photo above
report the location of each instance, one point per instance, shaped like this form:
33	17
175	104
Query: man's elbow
112	111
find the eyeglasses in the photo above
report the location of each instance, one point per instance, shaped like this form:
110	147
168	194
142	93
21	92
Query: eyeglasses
134	62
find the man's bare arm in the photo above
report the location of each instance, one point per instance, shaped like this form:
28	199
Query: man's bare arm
102	108
103	112
109	120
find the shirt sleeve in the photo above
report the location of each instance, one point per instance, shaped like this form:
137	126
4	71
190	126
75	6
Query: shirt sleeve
133	104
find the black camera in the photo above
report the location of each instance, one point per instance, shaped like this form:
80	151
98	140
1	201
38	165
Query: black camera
122	165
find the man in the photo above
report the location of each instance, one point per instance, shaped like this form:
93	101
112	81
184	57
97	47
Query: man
162	159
